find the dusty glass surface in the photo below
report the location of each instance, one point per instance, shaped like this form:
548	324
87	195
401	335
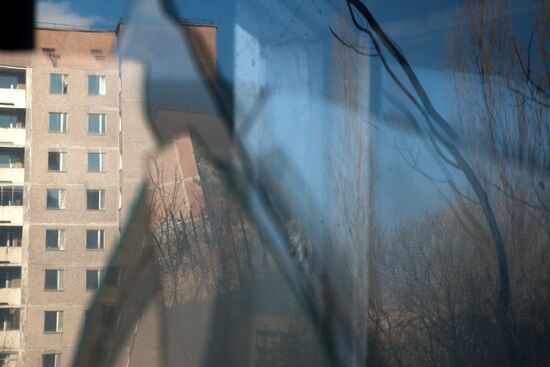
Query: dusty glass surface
277	183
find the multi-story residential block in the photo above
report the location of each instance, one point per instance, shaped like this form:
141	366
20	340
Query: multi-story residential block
13	149
73	139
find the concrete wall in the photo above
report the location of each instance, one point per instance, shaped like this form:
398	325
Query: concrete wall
74	57
127	143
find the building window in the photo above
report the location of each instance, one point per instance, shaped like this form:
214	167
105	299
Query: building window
95	199
50	360
55	199
12	79
10	277
12	119
114	276
101	355
53	321
11	196
8	120
10	236
9	319
96	123
94	278
95	239
59	83
8	359
87	316
54	280
95	162
57	161
55	239
111	317
96	85
57	122
11	158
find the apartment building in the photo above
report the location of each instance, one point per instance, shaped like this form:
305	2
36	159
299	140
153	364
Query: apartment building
12	181
73	139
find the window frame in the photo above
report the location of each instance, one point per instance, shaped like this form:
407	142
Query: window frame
13	323
100	239
59	283
58	322
102	124
111	316
101	84
60	239
7	357
55	361
101	199
8	277
11	122
64	83
100	278
60	199
14	118
11	195
10	237
14	78
15	159
114	276
101	161
62	161
63	122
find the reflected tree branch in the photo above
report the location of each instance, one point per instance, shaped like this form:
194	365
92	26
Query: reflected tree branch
449	138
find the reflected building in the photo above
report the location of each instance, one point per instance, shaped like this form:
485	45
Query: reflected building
73	149
60	171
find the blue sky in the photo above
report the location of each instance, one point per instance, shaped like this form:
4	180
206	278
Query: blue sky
427	24
421	30
83	13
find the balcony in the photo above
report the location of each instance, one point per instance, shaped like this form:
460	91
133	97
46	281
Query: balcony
11	158
10	297
12	175
13	98
10	255
10	286
9	327
12	137
12	127
11	215
10	339
11	205
12	88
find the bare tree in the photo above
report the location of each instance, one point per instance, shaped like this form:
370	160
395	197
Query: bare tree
498	153
353	172
200	253
181	258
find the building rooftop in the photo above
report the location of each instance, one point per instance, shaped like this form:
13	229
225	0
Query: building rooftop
74	27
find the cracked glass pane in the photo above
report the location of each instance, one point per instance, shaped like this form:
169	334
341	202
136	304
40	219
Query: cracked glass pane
282	183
